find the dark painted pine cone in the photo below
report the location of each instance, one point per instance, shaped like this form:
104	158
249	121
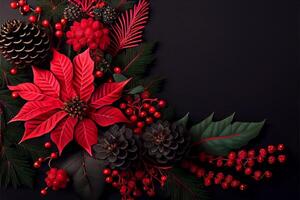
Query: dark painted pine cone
165	143
107	14
23	44
73	12
117	148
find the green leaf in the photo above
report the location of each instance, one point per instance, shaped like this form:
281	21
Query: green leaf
182	185
86	175
11	106
183	121
52	10
119	77
137	90
198	129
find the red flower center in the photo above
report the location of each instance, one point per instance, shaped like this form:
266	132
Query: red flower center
76	108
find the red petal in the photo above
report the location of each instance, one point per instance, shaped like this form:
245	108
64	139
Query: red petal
28	91
107	93
83	75
46	81
108	115
63	133
46	126
33	109
86	134
62	68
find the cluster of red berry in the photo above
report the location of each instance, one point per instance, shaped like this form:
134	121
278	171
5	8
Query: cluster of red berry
101	73
56	179
142	110
37	164
132	184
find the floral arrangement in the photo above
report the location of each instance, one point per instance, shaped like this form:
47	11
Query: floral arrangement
76	104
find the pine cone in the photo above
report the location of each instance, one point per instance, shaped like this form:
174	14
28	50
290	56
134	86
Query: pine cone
23	44
73	12
165	144
117	148
107	14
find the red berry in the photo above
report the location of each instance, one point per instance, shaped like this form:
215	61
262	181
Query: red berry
117	70
268	174
220	175
232	155
43	192
133	118
228	178
211	174
248	171
47	145
251	154
149	120
14	5
131	184
37	165
137	131
193	169
243	187
151	193
230	163
13	71
200	172
271	149
45	23
260	159
152	109
162	103
53	155
146	105
219	163
137	193
109	179
143	114
146	181
282	158
280	147
145	95
41	160
251	162
163	178
207	182
140	124
58	26
106	171
115	184
242	154
257	175
123	106
115	173
32	18
21	3
263	152
14	95
239	168
63	21
123	189
271	160
157	115
139	174
225	185
235	183
99	74
129	111
38	10
26	8
59	34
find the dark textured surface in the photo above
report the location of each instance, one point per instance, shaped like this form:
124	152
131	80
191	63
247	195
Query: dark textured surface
223	57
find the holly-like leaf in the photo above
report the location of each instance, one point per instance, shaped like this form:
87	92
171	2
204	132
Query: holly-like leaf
86	176
28	91
86	134
83	75
107	94
137	90
219	138
63	133
183	121
127	31
119	77
108	115
46	81
62	68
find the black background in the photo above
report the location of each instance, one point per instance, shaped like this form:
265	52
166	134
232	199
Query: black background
224	57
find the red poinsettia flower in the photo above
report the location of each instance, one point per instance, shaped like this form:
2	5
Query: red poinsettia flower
63	102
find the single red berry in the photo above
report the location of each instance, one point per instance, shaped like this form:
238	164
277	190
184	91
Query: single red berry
117	70
45	23
99	74
14	5
59	34
63	21
13	71
14	95
47	145
115	184
280	147
251	153
146	181
32	19
193	168
235	183
26	8
43	192
140	124
229	178
37	165
58	26
220	175
106	171
207	182
123	189
40	160
139	174
263	152
260	159
239	168
210	174
137	193
131	184
109	179
225	185
151	193
137	131
149	120
251	162
243	187
129	111
271	149
157	115
281	158
268	174
152	109
163	178
22	2
146	105
145	95
257	175
230	163
248	171
271	160
232	155
219	163
133	118
53	155
38	10
200	172
115	173
242	154
143	114
162	103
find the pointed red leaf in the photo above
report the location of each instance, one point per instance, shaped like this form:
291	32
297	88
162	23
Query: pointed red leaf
33	109
108	115
107	94
83	75
86	134
46	81
46	126
62	68
63	133
127	31
28	91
